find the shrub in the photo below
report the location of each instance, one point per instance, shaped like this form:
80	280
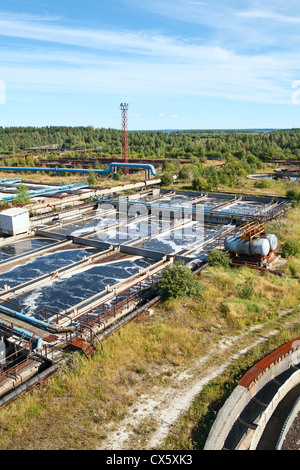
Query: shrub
91	179
263	184
200	184
291	248
178	282
246	291
293	194
22	195
167	179
218	258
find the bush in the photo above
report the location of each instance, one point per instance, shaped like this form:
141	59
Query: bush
291	248
91	179
246	291
263	184
293	194
167	179
218	258
178	282
200	184
22	195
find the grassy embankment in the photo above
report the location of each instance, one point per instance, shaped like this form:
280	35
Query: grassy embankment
63	179
74	409
249	186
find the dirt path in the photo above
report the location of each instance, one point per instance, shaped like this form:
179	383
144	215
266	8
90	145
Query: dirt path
152	416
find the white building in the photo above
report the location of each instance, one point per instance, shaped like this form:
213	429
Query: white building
14	221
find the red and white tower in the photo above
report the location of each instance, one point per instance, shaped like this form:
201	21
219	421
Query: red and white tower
124	113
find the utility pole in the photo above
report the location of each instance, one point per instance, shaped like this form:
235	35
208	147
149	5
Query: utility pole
124	117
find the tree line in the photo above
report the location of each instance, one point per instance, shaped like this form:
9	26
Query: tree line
266	146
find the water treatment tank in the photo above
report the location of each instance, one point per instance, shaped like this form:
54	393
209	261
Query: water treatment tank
256	246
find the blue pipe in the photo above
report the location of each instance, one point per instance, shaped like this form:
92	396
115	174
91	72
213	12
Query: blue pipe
143	166
24	334
22	316
41	192
34	321
10	180
30	336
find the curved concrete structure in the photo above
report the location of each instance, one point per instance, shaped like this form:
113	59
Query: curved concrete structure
288	424
242	420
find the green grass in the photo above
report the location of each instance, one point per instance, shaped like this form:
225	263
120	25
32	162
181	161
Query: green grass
73	409
193	429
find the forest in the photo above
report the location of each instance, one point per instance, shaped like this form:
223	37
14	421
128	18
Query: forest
266	146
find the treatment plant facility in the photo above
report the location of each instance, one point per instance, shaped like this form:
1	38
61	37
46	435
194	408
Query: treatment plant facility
89	260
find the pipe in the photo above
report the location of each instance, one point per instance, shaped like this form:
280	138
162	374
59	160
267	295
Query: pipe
41	192
144	166
35	321
24	334
111	329
28	384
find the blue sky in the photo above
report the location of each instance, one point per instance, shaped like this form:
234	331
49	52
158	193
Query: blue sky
180	64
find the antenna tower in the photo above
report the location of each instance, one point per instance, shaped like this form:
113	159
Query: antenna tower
124	117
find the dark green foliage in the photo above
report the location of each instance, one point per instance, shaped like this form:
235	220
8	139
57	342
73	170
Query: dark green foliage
247	147
178	282
218	258
246	291
291	248
22	195
91	179
201	184
293	194
166	179
263	184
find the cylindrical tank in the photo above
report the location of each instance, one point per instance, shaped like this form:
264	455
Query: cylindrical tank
257	246
272	240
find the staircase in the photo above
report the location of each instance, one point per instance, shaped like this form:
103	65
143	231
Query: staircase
84	346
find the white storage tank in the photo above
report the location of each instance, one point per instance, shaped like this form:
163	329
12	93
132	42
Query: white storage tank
14	221
260	246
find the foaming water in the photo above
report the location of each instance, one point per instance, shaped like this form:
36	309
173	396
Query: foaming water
42	265
23	246
65	292
179	239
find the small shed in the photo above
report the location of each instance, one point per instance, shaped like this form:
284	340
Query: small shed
14	221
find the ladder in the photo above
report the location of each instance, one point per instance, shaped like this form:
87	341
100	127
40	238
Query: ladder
87	348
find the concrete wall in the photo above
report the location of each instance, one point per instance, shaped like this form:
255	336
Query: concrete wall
242	395
293	381
44	233
288	423
133	250
94	243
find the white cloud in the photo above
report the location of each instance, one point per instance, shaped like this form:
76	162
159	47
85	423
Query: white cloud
139	63
268	15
